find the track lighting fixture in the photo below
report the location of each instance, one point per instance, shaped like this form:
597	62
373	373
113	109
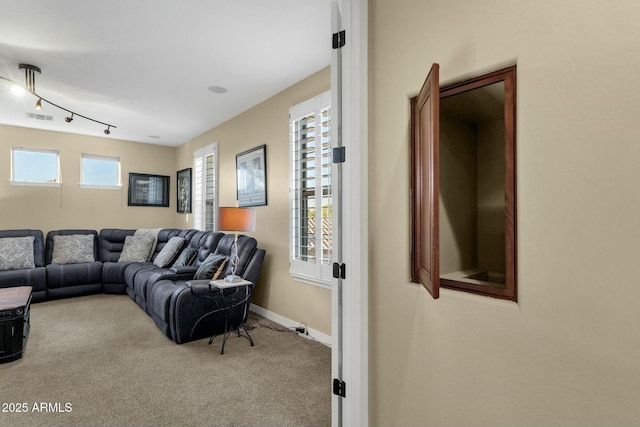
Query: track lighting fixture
30	86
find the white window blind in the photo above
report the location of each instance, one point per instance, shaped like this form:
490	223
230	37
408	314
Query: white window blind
311	201
205	204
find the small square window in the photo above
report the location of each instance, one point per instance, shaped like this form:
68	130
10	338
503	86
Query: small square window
100	171
35	167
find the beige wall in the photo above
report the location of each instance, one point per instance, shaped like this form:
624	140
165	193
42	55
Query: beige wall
268	123
69	206
567	353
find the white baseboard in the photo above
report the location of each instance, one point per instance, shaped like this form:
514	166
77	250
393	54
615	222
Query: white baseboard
288	323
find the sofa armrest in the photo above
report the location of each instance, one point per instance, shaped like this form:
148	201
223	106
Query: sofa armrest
200	288
198	310
175	274
184	269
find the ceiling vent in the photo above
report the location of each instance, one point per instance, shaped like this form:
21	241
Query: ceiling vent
40	117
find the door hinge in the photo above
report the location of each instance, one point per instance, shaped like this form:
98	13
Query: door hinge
339	271
339	387
339	155
339	39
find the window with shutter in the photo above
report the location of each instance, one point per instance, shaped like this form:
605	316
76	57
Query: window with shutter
311	201
205	162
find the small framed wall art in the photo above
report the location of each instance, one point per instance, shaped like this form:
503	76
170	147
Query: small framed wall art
183	179
251	177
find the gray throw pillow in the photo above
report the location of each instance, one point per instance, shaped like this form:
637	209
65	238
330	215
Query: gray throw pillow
136	248
169	252
186	257
72	249
16	253
211	267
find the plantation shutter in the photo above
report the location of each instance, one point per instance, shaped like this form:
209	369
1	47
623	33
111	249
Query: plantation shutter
205	188
311	201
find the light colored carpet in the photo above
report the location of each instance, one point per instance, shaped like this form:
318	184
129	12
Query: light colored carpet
101	361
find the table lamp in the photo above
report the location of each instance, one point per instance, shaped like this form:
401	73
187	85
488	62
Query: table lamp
236	220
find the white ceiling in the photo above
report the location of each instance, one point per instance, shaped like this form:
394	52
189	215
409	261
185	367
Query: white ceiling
145	66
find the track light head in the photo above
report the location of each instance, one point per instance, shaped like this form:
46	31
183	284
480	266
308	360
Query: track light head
69	119
107	131
39	104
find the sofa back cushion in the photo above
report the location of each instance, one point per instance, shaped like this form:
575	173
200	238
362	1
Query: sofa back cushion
165	235
50	244
246	247
112	242
206	243
38	242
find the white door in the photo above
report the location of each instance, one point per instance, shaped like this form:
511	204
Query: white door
336	175
349	330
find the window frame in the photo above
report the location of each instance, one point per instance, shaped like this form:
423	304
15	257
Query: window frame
117	186
425	182
58	178
315	273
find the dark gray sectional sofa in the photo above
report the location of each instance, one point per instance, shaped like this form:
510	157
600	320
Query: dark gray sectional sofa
183	309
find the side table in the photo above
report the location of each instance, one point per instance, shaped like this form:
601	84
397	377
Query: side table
240	292
14	322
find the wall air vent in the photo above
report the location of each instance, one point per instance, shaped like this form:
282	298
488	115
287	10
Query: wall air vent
40	117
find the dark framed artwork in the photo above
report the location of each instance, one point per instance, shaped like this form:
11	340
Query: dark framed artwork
251	177
148	190
183	187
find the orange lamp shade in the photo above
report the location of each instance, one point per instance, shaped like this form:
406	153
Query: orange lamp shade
237	219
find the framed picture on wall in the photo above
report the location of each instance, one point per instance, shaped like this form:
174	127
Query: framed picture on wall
183	179
251	177
148	190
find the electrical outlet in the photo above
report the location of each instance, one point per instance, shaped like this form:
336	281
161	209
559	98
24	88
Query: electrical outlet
306	335
302	330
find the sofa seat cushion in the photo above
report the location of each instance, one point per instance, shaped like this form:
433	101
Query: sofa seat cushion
34	277
132	269
61	276
72	249
113	272
146	278
16	253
